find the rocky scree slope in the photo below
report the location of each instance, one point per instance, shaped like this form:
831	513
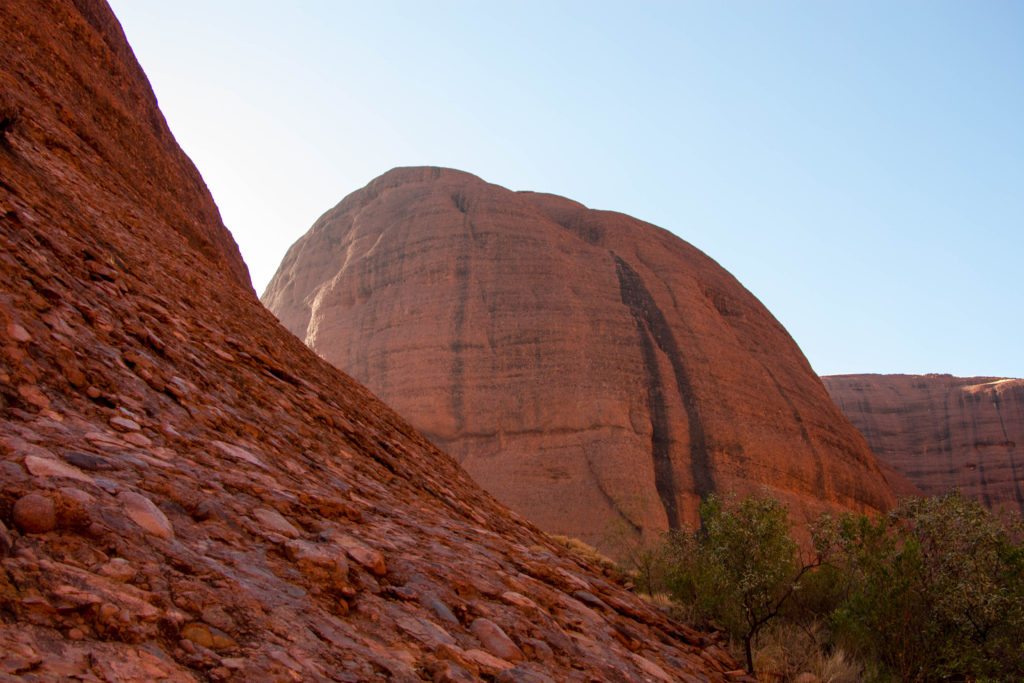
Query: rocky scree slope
188	493
594	372
943	432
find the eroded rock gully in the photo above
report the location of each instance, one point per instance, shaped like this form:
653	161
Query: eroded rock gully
188	493
943	432
594	372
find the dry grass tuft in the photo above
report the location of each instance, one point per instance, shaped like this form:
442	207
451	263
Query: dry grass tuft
587	553
785	651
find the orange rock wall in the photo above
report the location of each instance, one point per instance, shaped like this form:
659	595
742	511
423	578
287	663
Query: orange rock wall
943	432
594	372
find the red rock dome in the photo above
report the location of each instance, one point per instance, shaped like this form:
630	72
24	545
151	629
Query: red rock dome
594	372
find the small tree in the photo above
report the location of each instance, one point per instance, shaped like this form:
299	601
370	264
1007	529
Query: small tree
741	568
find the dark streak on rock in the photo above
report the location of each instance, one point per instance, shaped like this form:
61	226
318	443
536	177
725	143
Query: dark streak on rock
986	497
459	199
458	324
611	502
819	469
946	437
664	478
1018	495
654	331
591	234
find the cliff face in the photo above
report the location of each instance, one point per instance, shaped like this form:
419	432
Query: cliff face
186	491
943	432
592	371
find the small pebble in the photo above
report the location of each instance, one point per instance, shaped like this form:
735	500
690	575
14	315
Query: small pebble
143	512
137	439
35	514
495	641
31	394
118	569
87	461
124	424
18	333
275	522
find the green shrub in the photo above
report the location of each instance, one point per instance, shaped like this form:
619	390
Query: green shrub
933	592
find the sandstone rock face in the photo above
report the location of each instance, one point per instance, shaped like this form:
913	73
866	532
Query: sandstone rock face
594	372
183	484
943	432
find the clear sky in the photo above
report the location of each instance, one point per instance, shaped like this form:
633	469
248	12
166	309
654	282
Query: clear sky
858	165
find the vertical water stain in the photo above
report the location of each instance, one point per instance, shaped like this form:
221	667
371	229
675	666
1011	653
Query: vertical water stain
819	468
1017	494
457	345
655	335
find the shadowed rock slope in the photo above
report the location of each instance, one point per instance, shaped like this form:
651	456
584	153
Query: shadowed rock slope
594	372
943	432
188	493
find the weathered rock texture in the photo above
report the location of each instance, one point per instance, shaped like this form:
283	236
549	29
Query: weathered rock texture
943	432
592	371
186	491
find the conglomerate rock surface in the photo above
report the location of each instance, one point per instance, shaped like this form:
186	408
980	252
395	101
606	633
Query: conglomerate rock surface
188	493
943	432
594	372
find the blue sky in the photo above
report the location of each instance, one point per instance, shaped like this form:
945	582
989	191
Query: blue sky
859	166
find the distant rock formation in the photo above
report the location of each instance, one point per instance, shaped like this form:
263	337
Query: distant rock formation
594	372
943	432
187	493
